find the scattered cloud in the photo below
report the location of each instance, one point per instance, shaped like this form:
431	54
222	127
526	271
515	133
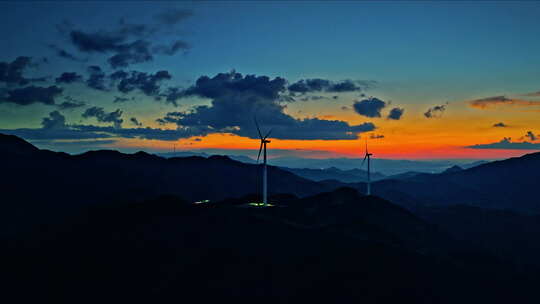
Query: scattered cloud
121	99
69	77
145	82
54	127
11	73
322	85
497	101
96	80
370	107
60	52
506	143
173	48
102	116
70	103
500	125
396	113
32	94
136	122
530	135
436	111
127	43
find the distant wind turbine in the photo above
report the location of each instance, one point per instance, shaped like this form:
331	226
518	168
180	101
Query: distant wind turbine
264	141
368	157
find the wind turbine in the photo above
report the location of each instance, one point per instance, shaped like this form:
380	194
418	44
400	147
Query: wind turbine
264	141
368	157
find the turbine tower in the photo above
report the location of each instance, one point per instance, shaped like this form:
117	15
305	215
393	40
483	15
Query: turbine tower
264	141
368	157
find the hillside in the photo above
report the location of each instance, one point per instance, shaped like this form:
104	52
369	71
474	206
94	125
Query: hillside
168	250
41	182
506	184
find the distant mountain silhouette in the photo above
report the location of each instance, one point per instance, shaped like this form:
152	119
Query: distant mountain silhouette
454	168
506	184
240	158
333	173
381	165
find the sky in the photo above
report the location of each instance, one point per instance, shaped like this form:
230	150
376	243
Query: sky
415	80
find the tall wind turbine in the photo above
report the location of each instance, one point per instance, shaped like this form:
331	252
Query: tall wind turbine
264	141
368	157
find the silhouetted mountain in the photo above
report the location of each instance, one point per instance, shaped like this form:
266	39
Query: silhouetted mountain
454	168
506	184
405	175
381	165
41	182
332	173
333	247
473	164
240	158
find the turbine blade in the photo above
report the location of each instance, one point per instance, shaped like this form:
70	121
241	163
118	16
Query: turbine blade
260	149
258	129
267	134
363	161
366	147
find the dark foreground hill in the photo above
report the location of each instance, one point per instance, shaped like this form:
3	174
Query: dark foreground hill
168	250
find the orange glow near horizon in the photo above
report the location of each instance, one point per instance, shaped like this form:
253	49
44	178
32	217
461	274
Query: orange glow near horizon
412	137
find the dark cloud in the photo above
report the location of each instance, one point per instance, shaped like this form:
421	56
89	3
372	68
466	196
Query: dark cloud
102	116
131	53
319	85
54	127
531	136
136	122
145	133
119	75
70	103
68	77
60	52
12	72
506	143
236	99
147	83
396	113
314	97
172	49
500	125
54	121
67	105
121	99
99	42
33	94
96	80
497	101
128	43
125	53
370	107
436	111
